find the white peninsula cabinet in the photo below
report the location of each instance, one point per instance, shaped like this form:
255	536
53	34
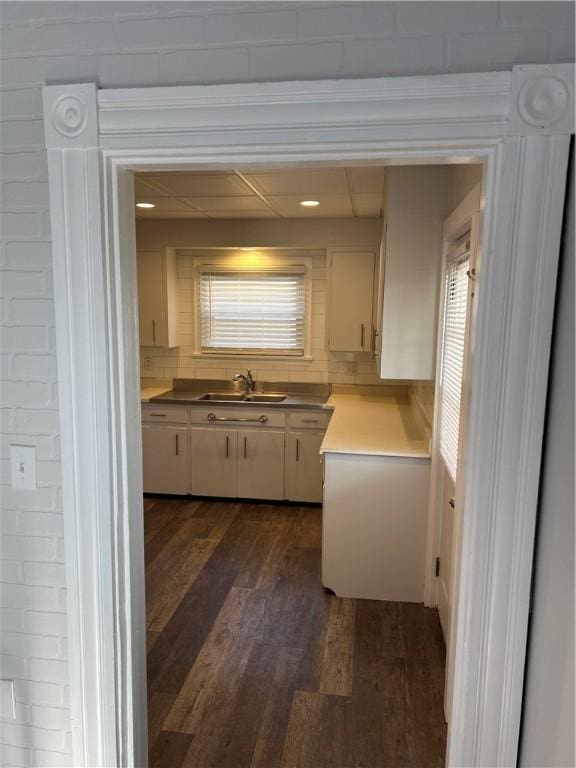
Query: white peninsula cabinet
376	486
157	298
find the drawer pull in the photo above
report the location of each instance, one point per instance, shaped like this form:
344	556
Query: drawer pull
309	421
154	331
297	449
259	420
245	442
227	446
177	446
362	332
158	414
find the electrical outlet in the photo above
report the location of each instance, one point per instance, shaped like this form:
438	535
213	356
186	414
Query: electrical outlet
23	467
147	363
7	700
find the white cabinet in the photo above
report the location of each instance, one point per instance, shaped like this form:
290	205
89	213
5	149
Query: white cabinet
416	204
213	455
304	465
165	458
350	300
374	526
261	464
157	298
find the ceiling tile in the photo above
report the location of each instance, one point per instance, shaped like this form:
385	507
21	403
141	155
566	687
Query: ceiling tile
227	203
201	184
161	203
305	183
368	205
366	180
330	205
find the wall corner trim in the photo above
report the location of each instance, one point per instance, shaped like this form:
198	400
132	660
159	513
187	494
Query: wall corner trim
71	116
541	100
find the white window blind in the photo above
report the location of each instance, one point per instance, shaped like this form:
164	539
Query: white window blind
253	311
454	336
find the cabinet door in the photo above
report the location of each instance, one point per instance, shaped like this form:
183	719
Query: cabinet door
157	298
304	466
165	458
213	461
150	299
351	296
261	464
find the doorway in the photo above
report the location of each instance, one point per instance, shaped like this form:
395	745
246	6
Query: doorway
525	167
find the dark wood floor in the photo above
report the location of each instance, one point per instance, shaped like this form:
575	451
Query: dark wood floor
251	663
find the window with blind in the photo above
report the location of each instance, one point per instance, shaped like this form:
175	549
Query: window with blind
452	365
253	312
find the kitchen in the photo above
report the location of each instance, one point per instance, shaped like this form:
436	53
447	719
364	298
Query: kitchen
290	337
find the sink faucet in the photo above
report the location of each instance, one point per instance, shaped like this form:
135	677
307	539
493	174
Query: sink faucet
247	379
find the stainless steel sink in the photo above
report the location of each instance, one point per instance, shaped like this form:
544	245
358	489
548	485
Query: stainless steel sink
264	398
223	396
240	397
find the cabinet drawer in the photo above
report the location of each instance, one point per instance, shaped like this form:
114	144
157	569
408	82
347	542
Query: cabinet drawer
176	414
310	420
239	416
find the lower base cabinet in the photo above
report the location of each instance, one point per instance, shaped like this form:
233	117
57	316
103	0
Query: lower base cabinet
209	452
213	461
374	526
304	466
165	458
261	464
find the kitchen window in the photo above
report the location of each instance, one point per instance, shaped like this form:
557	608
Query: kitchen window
254	312
456	298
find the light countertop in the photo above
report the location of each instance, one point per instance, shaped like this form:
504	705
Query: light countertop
375	425
146	393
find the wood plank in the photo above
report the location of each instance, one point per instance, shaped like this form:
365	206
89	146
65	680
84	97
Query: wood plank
172	573
240	732
170	749
301	745
338	656
159	705
274	721
216	674
308	527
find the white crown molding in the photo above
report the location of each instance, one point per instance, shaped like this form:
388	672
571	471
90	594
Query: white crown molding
70	116
393	108
542	100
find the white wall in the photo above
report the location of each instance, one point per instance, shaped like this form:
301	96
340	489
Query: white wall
295	233
548	721
142	43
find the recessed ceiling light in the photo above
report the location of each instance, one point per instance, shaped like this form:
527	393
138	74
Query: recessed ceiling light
309	203
145	205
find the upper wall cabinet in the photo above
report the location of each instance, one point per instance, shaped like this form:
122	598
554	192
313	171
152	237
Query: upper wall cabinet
417	201
351	291
157	298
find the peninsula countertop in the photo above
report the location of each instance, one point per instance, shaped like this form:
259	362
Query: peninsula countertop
376	425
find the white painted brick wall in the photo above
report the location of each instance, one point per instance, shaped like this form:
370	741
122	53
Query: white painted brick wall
143	43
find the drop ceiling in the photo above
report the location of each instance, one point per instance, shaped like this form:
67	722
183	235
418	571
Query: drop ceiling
342	193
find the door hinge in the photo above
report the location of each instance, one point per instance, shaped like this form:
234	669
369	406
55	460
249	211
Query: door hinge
437	566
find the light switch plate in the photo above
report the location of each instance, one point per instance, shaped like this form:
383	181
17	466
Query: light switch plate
23	467
7	700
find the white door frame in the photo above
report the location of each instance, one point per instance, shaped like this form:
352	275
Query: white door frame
518	124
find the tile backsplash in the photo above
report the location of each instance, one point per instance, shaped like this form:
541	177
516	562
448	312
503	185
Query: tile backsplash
326	367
